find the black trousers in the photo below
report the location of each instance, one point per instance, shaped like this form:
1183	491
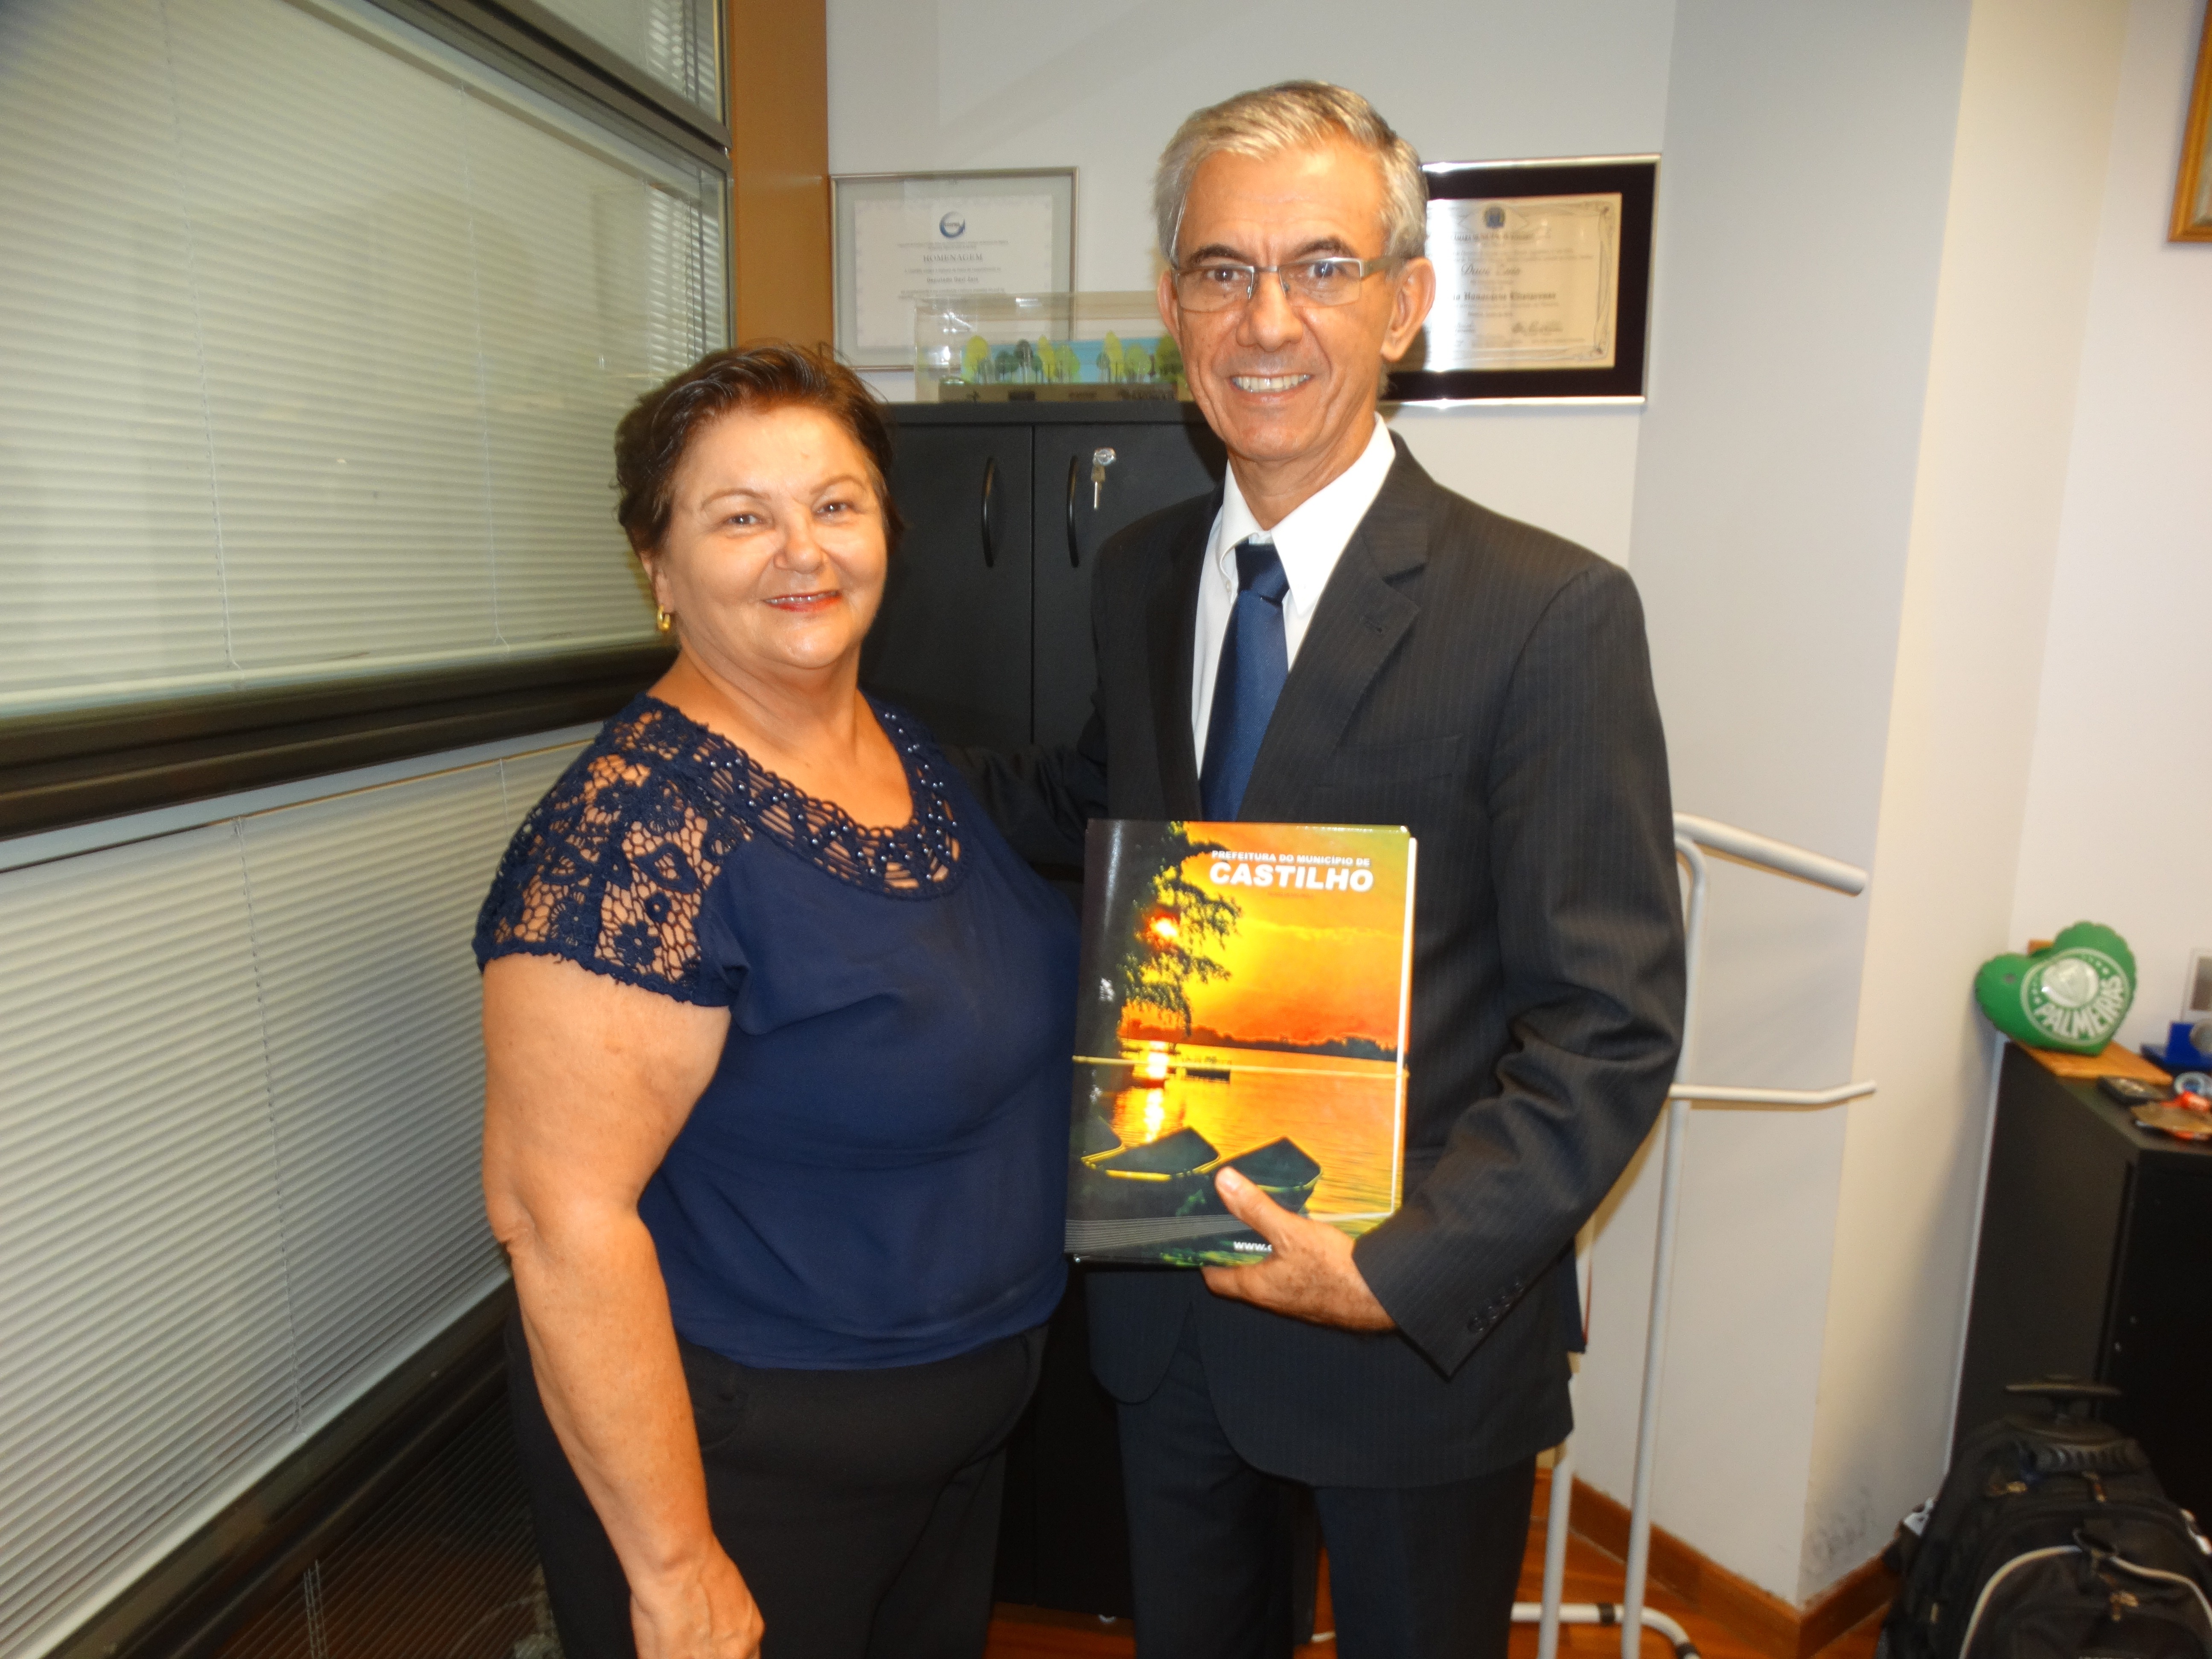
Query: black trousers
862	1507
1415	1573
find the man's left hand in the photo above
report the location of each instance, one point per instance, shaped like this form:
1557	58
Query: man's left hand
1311	1276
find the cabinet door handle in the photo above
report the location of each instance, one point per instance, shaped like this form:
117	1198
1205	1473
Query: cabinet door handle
1075	547
990	541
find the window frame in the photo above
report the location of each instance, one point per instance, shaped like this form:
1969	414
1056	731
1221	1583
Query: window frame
74	766
518	36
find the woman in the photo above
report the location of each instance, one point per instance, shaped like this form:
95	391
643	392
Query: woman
777	1034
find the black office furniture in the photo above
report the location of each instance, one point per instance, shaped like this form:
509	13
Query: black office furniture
985	631
2095	1262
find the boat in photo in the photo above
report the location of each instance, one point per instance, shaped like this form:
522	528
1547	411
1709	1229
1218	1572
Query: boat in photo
1174	1174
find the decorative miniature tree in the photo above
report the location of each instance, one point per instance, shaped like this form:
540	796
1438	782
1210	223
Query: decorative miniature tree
975	359
1167	359
1110	357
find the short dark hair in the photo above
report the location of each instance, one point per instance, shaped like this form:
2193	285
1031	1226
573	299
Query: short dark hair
651	442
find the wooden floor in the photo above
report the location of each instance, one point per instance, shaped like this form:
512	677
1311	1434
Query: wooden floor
1592	1576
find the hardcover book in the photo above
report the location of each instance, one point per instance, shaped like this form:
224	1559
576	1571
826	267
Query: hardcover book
1243	1002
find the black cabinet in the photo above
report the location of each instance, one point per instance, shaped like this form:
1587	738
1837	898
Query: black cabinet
1155	464
985	631
951	641
2095	1260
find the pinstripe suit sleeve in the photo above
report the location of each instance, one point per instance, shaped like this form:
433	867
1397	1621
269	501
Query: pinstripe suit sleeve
1042	797
1590	933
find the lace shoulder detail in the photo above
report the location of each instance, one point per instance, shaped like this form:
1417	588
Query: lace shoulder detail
611	869
612	866
918	860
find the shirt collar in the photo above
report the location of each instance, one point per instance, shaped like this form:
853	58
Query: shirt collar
1312	536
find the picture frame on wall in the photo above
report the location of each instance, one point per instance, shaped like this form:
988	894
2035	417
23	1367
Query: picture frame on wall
2192	188
896	237
1543	283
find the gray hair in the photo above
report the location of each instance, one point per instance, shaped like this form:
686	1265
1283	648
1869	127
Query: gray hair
1295	115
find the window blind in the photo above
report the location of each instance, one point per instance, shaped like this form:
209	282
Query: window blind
671	41
142	1281
362	909
238	1157
317	335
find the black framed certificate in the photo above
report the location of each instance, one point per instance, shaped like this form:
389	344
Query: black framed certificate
1543	282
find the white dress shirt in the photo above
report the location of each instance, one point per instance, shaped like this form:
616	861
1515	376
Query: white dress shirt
1309	541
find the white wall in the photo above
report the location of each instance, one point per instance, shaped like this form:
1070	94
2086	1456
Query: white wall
1101	85
2036	111
1807	156
2126	702
1100	88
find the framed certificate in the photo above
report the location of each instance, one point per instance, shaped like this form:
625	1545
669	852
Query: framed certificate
899	237
1543	283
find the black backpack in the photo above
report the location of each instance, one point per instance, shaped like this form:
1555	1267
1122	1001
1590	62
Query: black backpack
2051	1539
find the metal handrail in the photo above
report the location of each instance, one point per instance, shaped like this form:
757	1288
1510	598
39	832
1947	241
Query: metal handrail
1778	856
1722	1095
1693	836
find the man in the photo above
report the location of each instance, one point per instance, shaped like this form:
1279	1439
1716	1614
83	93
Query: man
1334	638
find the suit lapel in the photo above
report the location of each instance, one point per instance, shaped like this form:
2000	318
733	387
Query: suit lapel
1361	617
1170	634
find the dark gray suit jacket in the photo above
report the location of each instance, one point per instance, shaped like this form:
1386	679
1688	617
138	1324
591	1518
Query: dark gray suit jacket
1486	685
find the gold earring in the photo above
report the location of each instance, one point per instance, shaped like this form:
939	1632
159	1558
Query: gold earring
662	620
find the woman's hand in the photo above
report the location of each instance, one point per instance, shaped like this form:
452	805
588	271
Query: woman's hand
705	1613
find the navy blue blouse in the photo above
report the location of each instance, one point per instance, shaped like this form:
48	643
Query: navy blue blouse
876	1174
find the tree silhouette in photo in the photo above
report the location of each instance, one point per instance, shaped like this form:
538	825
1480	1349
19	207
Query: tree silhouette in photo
1166	925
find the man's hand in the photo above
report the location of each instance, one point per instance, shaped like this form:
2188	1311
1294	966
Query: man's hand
1311	1276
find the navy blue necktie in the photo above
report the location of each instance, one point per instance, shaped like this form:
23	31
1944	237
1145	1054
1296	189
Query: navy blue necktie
1254	662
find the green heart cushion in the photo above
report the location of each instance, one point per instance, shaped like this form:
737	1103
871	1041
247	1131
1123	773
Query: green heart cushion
2071	994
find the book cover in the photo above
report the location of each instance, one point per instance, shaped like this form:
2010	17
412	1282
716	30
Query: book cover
1244	1002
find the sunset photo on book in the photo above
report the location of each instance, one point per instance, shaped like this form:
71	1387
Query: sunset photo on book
1244	1004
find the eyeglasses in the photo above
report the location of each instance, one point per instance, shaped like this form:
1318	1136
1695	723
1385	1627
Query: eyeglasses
1220	285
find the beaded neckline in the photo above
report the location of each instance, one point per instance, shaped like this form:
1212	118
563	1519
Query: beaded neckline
918	860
